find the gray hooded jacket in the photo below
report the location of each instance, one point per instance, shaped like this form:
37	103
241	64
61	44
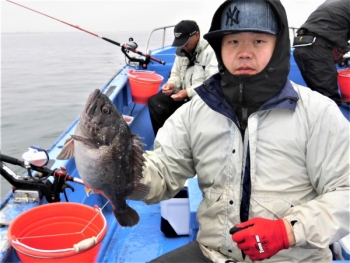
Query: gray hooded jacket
295	150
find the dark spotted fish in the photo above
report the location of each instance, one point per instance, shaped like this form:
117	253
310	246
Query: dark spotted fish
108	156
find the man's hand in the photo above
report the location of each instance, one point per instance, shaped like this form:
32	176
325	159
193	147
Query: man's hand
180	96
261	238
168	89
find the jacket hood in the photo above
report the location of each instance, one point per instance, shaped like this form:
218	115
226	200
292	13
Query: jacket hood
247	93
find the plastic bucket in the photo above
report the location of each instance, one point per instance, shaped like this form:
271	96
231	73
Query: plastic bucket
344	84
143	85
58	232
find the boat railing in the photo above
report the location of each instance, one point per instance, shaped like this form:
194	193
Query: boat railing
294	30
164	28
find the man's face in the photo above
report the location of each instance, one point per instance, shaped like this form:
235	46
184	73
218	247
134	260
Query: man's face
247	53
191	44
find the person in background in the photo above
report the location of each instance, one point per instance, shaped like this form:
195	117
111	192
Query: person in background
320	43
195	62
271	156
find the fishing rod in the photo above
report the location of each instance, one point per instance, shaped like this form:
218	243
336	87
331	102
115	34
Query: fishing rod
39	177
124	46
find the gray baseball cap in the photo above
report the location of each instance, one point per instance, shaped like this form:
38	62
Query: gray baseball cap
235	16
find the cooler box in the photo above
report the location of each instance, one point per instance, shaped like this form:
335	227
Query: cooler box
345	247
175	212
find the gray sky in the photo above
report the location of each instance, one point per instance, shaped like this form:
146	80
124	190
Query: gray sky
118	15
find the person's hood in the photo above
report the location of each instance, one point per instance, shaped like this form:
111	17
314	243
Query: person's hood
201	45
245	93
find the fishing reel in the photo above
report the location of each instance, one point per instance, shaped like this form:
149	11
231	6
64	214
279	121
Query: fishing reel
35	156
39	177
132	46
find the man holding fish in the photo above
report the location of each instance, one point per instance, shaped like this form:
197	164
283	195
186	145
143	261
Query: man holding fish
271	156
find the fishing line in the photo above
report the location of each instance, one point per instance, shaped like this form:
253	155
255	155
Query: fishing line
65	234
94	34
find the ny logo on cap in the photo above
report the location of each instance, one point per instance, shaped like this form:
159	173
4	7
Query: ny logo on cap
232	15
177	35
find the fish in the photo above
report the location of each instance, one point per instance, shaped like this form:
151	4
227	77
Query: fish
108	156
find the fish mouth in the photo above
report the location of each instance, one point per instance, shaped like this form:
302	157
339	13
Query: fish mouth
91	104
99	119
88	114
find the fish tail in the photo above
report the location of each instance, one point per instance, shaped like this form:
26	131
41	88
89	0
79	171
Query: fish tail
127	217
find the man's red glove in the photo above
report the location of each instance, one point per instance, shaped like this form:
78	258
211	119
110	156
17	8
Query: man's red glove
261	238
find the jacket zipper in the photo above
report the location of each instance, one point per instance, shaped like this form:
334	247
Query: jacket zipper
244	113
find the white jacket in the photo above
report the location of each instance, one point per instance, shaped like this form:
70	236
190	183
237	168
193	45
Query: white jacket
299	162
190	78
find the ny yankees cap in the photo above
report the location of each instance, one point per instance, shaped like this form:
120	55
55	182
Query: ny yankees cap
235	16
183	31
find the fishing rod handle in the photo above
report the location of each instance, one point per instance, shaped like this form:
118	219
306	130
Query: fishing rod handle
158	60
11	160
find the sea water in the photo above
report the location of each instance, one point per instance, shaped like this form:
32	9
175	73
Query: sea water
46	79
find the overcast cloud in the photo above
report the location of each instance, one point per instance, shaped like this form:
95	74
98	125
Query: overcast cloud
118	15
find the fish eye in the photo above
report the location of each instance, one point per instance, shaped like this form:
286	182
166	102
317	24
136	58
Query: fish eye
105	110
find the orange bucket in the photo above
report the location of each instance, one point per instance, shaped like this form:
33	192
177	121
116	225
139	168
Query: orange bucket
143	85
344	84
58	232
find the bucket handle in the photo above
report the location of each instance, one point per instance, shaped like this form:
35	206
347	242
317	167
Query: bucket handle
82	245
15	241
85	244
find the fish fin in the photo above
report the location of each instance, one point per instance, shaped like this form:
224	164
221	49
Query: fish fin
67	151
139	160
127	217
88	142
139	192
138	157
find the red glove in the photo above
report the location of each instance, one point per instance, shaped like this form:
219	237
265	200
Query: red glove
261	238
